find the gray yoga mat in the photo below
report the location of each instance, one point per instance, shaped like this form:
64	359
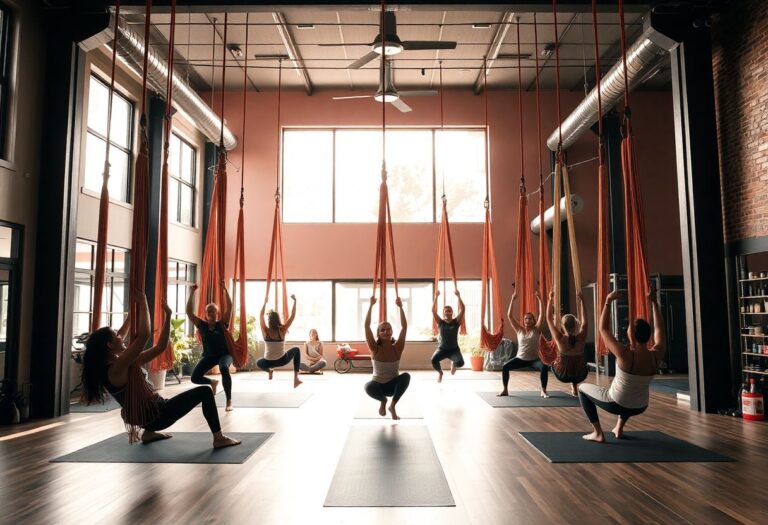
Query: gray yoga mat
636	447
264	399
670	386
369	409
108	405
389	466
183	447
529	399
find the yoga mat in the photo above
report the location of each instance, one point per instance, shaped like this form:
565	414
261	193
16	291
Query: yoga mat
389	466
529	399
264	399
183	447
670	386
369	409
468	375
636	447
109	404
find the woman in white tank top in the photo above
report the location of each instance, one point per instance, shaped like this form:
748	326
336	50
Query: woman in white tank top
635	367
387	381
274	333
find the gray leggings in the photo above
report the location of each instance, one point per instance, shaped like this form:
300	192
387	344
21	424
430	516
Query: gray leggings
593	396
322	363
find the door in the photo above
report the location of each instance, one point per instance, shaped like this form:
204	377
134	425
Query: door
10	271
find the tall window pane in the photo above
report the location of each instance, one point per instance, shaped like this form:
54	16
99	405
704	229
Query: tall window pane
182	183
307	176
460	156
358	175
470	295
409	175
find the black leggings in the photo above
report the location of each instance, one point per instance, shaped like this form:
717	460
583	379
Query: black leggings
395	387
454	354
590	403
516	362
208	362
173	409
292	354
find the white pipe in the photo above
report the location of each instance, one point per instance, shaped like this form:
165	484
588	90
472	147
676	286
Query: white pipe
577	204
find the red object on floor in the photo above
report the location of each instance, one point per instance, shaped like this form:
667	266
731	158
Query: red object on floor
752	407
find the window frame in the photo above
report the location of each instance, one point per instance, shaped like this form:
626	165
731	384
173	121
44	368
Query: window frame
6	58
189	282
181	182
128	150
436	209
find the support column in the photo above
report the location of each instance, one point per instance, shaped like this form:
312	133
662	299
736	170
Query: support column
701	223
616	237
155	120
211	156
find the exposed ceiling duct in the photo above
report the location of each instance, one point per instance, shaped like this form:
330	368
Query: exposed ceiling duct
649	50
130	49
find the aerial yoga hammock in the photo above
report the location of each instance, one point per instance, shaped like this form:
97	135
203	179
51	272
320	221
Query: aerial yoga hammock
448	326
212	269
489	340
566	350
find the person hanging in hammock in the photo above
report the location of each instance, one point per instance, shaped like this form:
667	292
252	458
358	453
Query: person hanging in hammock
274	333
387	381
636	365
570	335
108	365
527	345
215	349
449	332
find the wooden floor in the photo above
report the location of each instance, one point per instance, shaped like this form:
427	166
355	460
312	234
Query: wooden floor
495	476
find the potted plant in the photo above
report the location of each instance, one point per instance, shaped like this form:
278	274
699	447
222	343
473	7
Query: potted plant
254	346
471	343
184	348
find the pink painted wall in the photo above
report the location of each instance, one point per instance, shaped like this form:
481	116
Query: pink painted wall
347	250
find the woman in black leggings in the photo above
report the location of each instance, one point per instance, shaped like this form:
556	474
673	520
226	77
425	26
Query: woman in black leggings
449	333
215	350
107	365
274	333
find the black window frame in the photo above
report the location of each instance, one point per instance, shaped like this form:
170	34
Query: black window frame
173	280
6	44
176	178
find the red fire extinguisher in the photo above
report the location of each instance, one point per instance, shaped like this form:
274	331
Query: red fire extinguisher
752	403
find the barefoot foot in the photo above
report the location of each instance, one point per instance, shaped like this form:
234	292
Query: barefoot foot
453	368
595	436
222	441
618	432
544	394
270	372
296	381
440	376
229	407
503	393
383	409
148	436
393	412
574	391
214	386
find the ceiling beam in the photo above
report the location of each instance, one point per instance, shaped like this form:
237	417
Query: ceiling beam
493	50
293	52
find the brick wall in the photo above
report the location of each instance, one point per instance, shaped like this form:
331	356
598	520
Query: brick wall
740	67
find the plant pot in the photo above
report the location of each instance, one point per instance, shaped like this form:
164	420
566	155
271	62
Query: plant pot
157	379
477	362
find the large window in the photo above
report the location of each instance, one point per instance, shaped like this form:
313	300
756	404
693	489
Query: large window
114	302
181	278
334	175
5	71
181	186
119	143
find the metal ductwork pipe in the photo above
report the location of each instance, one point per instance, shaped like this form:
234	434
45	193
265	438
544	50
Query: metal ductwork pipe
130	49
648	51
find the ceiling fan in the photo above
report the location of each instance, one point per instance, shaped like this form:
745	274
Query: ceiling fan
391	44
388	93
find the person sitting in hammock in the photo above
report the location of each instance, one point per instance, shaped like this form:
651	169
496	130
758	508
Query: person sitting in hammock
385	356
107	365
215	349
528	335
636	365
314	350
449	332
274	332
571	337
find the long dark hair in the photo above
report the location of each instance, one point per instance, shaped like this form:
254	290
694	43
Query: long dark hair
273	320
95	357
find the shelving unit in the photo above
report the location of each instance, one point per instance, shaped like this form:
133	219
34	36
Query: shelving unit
753	313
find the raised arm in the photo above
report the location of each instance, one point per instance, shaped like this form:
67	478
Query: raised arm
610	341
162	341
540	320
226	314
582	315
289	322
118	372
434	308
400	343
659	332
460	314
123	330
369	338
262	321
550	316
510	315
195	320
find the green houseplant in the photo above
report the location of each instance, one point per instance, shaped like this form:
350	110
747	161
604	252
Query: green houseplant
254	349
471	343
185	348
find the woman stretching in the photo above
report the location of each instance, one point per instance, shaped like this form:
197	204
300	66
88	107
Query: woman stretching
635	368
215	350
314	350
449	332
570	336
528	335
107	365
385	357
274	341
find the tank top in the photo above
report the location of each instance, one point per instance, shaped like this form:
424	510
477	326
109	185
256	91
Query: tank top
274	350
385	371
449	334
630	390
214	342
312	347
528	344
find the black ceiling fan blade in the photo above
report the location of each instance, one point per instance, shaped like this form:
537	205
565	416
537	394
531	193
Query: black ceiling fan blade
360	62
345	44
424	45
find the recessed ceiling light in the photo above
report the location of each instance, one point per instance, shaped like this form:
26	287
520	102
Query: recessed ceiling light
305	26
481	25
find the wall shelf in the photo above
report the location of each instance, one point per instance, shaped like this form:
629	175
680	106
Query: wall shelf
753	353
752	294
755	372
